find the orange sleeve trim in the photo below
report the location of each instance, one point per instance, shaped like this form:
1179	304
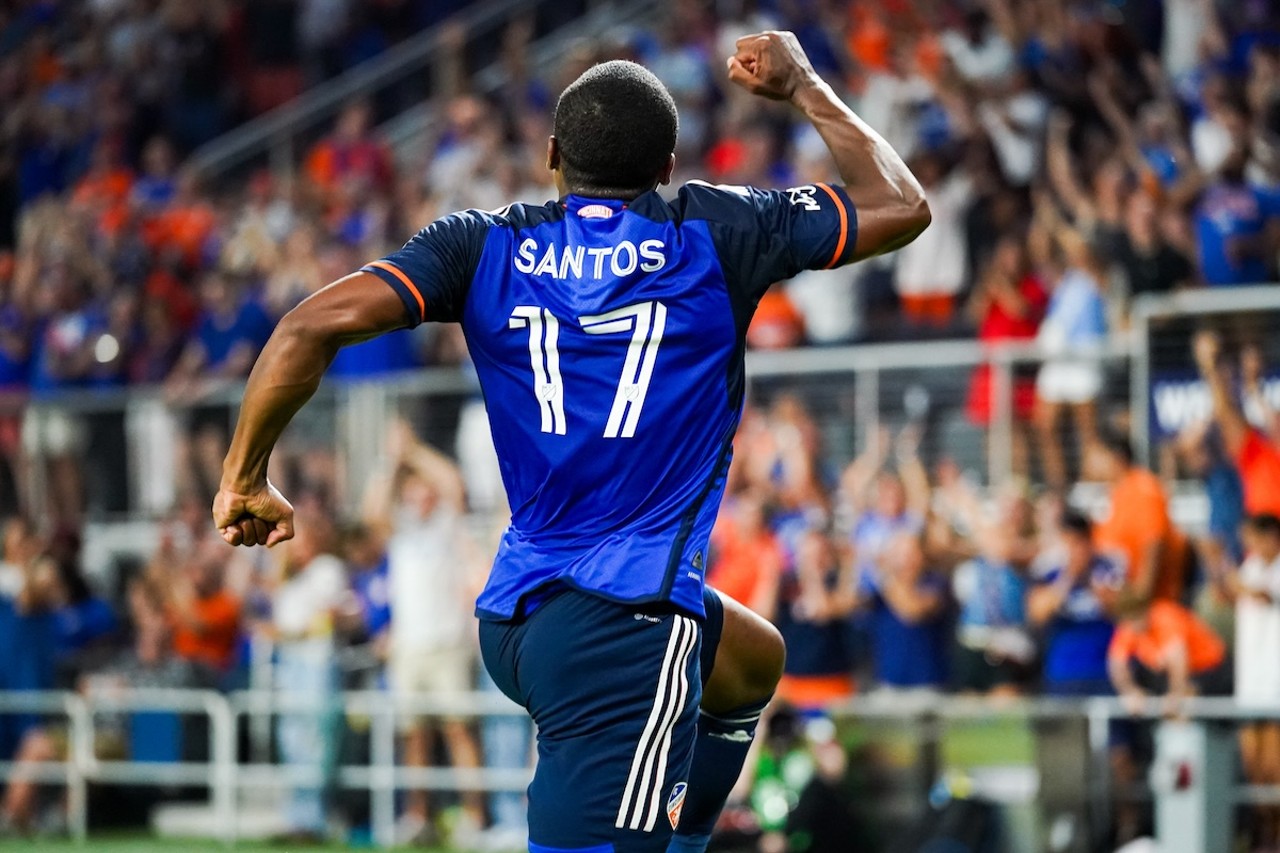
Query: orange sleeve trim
413	288
844	225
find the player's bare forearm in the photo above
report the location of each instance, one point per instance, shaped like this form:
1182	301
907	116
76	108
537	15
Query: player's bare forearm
891	205
247	509
285	377
291	365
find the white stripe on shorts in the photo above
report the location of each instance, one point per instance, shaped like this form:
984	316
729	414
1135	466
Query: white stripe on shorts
673	686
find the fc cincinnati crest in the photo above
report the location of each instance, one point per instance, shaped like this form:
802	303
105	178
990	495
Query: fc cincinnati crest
595	211
675	803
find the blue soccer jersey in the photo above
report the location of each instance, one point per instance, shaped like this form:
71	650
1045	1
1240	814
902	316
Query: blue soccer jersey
608	337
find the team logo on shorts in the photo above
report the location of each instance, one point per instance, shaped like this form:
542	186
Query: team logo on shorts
675	803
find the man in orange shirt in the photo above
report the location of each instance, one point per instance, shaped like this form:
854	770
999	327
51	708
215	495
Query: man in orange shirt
206	617
1163	647
1138	527
1257	458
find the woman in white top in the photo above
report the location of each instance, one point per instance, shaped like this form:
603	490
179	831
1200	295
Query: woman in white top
1256	588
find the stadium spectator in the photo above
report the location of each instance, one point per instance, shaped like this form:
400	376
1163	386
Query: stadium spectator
1237	222
1007	304
231	329
415	508
884	503
1149	263
1069	601
908	627
1161	649
929	273
1256	457
1137	529
819	665
994	652
148	664
311	587
1256	588
1072	334
205	615
746	558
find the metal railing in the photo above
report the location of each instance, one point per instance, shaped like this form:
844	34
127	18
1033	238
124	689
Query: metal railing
226	777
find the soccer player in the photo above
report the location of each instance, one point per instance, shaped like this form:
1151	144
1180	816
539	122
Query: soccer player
607	330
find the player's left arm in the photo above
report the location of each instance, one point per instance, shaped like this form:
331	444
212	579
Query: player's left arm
248	510
890	205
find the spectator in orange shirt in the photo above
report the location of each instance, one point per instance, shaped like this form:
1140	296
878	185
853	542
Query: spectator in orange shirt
1138	527
184	226
1257	458
1162	648
206	617
748	560
351	151
108	181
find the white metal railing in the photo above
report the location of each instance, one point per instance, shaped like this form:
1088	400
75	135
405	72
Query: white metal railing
226	777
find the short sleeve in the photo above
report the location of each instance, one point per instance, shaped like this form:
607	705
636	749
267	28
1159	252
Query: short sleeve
766	236
433	272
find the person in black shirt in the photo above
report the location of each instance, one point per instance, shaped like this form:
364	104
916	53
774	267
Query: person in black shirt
1149	263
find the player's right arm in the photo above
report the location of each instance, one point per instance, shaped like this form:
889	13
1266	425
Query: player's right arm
891	206
248	510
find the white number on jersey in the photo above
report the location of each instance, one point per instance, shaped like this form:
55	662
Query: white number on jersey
646	321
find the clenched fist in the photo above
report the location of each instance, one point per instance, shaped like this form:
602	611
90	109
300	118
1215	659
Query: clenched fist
772	65
259	517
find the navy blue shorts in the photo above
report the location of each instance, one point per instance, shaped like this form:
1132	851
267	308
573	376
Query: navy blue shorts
614	692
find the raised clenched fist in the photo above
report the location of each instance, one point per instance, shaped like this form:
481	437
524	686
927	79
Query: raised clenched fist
771	64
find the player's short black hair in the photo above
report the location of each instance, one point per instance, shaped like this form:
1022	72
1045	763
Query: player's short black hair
616	128
1076	522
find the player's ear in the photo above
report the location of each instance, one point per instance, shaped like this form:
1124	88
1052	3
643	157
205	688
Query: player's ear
665	177
553	154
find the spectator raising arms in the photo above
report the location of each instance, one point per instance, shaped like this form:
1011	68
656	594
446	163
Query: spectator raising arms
416	510
1138	529
1256	456
1070	602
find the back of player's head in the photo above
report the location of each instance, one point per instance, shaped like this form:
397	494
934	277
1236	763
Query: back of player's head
615	127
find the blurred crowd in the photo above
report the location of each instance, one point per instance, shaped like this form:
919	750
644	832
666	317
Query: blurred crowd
1076	155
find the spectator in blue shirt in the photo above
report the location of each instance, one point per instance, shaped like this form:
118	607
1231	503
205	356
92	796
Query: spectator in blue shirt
908	622
1237	223
1070	602
994	652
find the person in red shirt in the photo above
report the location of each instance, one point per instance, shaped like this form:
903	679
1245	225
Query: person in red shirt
1256	456
1008	304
